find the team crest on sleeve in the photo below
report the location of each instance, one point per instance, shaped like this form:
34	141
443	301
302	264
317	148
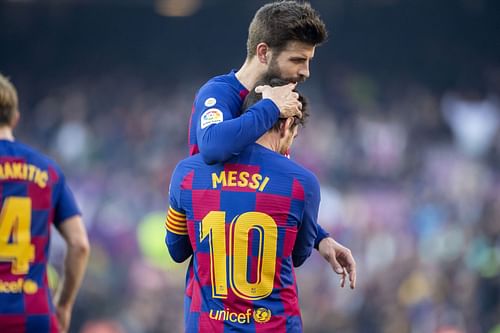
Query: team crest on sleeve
209	102
211	116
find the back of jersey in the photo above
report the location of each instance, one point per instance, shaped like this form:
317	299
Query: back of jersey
243	219
32	195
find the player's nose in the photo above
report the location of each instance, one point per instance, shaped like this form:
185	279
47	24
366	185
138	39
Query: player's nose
304	71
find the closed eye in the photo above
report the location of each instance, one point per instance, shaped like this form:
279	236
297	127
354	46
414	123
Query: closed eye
298	60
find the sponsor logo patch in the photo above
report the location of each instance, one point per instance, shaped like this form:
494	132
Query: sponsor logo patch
211	116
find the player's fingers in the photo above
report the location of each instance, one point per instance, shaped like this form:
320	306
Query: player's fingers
335	265
350	266
297	107
343	278
298	112
287	89
294	95
295	111
291	110
352	276
261	89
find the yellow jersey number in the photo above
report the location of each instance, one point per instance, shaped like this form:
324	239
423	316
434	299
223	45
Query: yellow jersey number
213	226
15	220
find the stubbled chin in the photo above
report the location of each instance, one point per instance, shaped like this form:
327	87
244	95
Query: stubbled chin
292	80
295	80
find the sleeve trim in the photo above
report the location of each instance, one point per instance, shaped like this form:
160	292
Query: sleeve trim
176	222
176	213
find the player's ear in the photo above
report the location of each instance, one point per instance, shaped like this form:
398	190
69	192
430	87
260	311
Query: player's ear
285	126
262	53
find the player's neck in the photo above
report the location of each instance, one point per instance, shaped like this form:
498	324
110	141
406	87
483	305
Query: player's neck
270	141
249	73
6	133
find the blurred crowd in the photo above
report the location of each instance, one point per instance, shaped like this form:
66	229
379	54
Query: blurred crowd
410	182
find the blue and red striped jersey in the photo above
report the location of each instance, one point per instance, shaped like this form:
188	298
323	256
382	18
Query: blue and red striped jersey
246	223
33	195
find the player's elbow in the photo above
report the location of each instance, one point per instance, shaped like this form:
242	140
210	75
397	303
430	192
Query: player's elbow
80	246
178	257
211	155
75	236
177	254
299	258
178	248
213	149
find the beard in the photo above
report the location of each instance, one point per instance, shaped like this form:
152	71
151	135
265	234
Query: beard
274	72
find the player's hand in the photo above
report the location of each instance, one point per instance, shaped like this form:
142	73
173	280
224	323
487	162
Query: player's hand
63	317
284	97
340	258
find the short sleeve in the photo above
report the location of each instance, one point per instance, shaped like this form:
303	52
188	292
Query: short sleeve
65	205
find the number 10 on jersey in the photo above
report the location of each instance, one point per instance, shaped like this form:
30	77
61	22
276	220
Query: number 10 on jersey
234	263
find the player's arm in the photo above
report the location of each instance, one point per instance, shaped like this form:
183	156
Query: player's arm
308	228
177	238
73	232
219	134
69	223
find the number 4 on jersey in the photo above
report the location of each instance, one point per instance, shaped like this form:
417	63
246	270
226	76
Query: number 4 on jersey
15	221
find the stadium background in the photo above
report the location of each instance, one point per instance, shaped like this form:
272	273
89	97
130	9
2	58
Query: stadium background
404	137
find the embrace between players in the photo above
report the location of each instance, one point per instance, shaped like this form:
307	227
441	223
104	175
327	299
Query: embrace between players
243	212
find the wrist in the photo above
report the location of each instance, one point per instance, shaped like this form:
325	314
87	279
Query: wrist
270	106
327	241
322	235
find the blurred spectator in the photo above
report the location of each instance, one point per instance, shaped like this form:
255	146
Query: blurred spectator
410	178
421	213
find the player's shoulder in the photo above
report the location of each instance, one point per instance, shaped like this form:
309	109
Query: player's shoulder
221	84
290	167
33	155
187	165
295	170
303	174
223	79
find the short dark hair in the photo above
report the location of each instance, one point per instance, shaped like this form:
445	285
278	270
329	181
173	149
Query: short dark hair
8	101
254	97
278	23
